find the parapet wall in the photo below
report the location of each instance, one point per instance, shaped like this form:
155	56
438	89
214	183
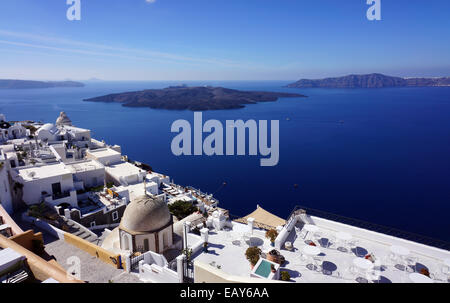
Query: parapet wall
94	250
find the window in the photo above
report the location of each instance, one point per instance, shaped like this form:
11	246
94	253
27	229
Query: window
56	189
146	245
115	216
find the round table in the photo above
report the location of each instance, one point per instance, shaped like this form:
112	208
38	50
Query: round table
344	236
399	250
311	250
419	278
363	263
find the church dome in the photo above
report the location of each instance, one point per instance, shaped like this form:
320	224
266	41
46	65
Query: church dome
63	119
145	214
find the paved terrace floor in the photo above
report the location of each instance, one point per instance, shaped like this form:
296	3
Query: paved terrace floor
335	263
92	269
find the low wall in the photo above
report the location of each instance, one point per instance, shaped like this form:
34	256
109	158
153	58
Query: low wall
26	239
94	250
205	273
42	270
56	232
157	274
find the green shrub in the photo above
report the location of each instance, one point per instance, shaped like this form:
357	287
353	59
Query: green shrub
285	276
253	254
271	235
182	209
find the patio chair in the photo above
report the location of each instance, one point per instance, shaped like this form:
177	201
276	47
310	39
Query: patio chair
300	260
411	263
331	242
300	233
317	262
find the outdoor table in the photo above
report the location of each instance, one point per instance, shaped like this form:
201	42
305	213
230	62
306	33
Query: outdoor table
363	264
344	237
311	250
419	278
400	250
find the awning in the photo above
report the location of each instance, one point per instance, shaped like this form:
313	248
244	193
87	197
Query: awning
263	219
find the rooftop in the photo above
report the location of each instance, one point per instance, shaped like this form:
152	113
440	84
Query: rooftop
86	165
336	260
103	152
123	169
41	172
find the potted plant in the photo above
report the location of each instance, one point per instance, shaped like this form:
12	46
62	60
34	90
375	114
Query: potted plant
253	254
272	234
285	276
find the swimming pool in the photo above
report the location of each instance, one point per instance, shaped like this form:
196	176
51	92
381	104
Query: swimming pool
264	269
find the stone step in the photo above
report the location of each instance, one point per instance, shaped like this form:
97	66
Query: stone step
18	277
78	232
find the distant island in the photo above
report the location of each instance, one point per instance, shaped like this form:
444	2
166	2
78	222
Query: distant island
28	84
192	98
369	81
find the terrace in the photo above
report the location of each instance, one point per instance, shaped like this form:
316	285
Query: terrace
339	255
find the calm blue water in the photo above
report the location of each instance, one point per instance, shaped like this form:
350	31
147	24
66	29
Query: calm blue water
388	163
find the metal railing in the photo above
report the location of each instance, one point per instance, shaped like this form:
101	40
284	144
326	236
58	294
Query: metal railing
372	227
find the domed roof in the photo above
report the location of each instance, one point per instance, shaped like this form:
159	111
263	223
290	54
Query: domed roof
146	214
63	119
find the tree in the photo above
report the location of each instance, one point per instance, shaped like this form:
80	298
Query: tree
253	254
182	209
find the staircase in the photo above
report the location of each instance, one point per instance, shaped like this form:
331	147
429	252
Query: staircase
78	230
18	277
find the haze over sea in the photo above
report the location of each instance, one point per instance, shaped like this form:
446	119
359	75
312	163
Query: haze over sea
380	155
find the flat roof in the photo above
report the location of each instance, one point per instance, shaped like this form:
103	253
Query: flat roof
86	165
103	152
41	172
123	169
335	262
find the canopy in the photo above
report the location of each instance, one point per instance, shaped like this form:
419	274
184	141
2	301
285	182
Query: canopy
263	219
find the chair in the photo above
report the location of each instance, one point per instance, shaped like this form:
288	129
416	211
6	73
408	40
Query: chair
318	261
411	263
300	233
353	244
331	242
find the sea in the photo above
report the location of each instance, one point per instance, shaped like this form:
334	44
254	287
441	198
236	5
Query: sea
378	155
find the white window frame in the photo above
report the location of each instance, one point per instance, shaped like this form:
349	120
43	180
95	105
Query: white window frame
93	224
115	215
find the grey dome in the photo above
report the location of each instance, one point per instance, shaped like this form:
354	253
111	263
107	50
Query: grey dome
145	214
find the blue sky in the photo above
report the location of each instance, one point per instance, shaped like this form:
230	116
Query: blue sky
222	40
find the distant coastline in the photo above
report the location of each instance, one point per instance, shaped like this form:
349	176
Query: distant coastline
199	98
29	84
369	81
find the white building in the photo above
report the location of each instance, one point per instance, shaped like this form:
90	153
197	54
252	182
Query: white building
51	183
